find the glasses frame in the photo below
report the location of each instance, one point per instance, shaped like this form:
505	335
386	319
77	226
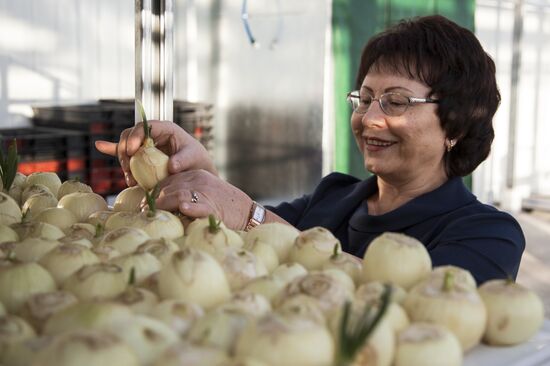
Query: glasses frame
412	101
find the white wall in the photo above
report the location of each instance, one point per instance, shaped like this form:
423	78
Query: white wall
63	50
494	27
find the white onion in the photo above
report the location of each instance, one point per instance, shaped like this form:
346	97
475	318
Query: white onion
129	199
210	236
38	202
247	302
18	282
147	337
48	179
72	186
240	266
57	216
7	234
396	258
22	353
149	165
303	307
17	187
89	315
348	263
7	250
36	229
143	264
267	286
99	217
264	252
189	354
161	224
162	249
277	341
10	213
179	315
106	253
460	275
424	344
374	290
82	205
120	219
193	275
66	259
140	300
40	307
13	329
98	281
280	236
86	347
31	190
287	272
453	305
515	313
32	249
125	239
313	247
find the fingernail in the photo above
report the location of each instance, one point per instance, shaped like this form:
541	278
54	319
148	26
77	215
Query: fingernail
186	206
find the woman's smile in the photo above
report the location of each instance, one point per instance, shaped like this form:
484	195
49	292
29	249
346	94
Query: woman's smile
373	144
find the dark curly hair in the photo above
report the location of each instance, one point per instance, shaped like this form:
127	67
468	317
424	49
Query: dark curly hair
450	60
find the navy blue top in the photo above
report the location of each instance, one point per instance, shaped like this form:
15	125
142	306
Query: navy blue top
453	225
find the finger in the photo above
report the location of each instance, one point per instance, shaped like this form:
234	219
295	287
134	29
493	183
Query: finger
197	210
124	159
134	139
106	147
171	201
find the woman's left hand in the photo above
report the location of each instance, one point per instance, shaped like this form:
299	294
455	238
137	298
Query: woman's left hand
199	193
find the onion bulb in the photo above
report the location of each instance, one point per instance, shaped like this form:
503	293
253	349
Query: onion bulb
424	344
143	264
66	259
450	304
162	249
147	337
48	179
36	203
10	213
32	249
125	239
177	314
219	328
287	272
189	354
17	187
33	189
89	315
267	286
265	253
515	313
280	236
240	267
159	224
277	341
211	235
246	302
396	258
140	300
22	353
460	275
194	275
39	307
13	329
303	307
80	233
98	281
72	186
82	205
314	247
148	165
57	216
2	310
120	219
18	282
105	253
7	234
347	263
37	229
129	199
86	347
99	217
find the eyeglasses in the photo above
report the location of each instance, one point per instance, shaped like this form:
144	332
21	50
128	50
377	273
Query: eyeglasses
392	104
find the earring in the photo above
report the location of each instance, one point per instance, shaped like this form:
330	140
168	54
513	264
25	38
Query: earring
450	144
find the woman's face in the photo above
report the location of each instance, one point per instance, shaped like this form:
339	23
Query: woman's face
399	148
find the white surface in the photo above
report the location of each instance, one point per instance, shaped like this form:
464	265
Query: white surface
535	352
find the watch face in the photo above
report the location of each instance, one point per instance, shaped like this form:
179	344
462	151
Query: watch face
259	213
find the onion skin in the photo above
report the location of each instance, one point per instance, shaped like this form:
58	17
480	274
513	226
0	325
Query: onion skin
140	300
265	253
31	190
199	236
125	239
57	216
129	199
98	281
161	224
32	249
398	259
19	282
37	229
424	344
515	313
7	234
40	307
194	275
240	267
48	179
66	259
348	264
144	265
460	275
189	354
13	329
82	205
178	315
38	202
72	186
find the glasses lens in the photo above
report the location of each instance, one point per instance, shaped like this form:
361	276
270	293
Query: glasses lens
394	104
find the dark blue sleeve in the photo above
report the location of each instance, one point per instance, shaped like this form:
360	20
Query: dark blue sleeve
291	211
489	245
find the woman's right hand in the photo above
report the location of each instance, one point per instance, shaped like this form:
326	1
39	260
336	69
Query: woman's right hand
185	152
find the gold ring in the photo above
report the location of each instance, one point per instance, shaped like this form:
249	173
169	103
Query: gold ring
194	197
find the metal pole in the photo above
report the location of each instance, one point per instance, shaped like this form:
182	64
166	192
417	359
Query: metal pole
154	44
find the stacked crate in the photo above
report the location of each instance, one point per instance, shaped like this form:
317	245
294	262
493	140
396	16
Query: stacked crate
105	120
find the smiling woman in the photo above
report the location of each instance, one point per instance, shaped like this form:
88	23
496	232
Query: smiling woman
422	118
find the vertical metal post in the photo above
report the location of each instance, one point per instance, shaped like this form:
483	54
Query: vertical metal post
514	94
154	43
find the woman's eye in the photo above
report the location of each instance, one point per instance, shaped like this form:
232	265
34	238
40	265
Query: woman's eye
366	101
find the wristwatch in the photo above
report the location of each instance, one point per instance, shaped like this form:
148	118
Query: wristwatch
256	216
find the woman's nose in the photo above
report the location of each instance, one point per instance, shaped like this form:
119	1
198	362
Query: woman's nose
374	116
